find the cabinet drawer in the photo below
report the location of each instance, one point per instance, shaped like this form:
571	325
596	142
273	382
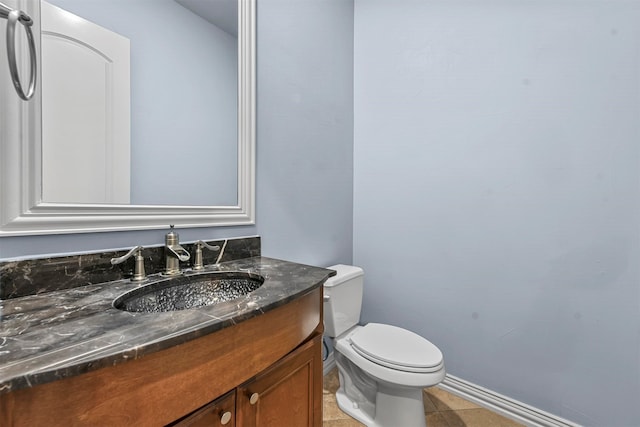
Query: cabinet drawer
220	412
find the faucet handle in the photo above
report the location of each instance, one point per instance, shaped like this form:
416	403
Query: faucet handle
139	274
197	262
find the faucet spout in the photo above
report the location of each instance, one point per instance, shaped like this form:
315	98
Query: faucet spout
180	252
174	253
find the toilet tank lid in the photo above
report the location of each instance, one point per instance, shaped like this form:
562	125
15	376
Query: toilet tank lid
344	273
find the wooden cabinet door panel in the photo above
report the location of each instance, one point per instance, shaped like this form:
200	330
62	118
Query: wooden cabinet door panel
286	392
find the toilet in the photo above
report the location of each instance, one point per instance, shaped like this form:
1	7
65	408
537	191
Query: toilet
382	368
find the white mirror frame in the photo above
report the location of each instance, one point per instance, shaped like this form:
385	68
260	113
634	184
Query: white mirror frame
22	211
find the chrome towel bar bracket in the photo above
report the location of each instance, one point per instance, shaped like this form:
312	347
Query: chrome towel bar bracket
13	17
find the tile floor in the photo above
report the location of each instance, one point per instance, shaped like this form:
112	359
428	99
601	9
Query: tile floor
441	409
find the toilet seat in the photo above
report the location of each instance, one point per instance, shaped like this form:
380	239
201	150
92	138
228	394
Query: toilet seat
396	348
381	373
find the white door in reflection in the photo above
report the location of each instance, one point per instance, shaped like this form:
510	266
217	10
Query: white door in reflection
85	109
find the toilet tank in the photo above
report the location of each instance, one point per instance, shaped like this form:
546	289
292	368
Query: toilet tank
343	299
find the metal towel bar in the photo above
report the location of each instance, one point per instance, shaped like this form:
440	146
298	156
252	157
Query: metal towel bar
14	16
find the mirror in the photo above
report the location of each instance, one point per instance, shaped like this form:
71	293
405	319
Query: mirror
190	157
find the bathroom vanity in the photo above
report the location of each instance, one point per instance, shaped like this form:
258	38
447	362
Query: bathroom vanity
70	358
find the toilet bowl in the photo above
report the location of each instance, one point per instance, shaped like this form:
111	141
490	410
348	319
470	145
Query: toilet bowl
382	368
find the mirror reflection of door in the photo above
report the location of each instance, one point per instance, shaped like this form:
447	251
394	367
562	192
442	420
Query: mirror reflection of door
85	106
183	106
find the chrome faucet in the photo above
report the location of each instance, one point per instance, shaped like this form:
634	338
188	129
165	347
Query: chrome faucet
174	253
139	274
197	262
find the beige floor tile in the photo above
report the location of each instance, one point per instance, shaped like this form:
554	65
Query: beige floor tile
429	406
477	418
436	419
342	423
445	401
331	382
331	410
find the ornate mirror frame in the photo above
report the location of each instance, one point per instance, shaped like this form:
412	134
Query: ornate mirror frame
22	211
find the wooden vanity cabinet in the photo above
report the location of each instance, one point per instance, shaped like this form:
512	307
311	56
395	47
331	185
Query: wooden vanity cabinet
277	355
283	395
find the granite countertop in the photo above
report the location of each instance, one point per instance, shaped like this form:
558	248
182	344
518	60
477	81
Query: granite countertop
63	333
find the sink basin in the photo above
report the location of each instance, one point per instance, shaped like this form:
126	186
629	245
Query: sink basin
185	292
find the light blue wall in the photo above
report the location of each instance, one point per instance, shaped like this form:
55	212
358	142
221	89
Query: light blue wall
304	142
305	128
497	192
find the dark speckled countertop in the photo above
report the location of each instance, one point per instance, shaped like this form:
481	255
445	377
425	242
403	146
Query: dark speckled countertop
59	334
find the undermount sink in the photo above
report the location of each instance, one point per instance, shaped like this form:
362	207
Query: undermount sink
192	291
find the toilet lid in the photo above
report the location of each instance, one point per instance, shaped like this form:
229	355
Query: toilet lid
396	348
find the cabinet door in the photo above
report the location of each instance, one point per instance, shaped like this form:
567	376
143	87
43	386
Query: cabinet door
220	412
287	394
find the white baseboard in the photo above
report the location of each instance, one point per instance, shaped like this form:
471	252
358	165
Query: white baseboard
502	405
328	364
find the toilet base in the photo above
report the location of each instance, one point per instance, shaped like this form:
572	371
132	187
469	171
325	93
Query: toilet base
391	410
375	403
